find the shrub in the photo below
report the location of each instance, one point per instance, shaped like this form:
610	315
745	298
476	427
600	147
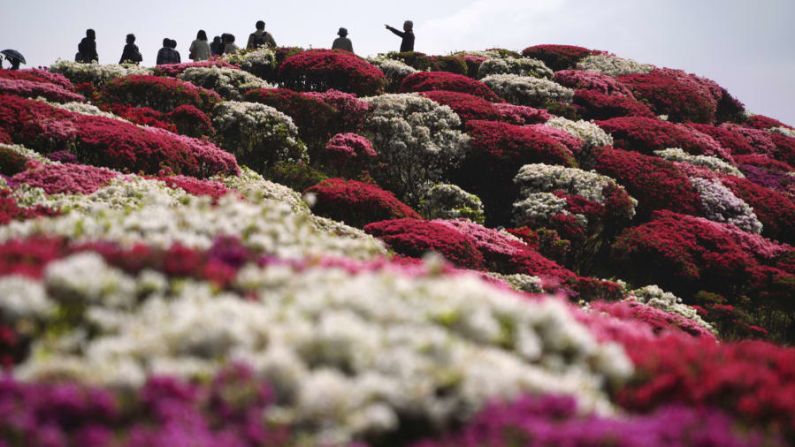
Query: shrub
527	91
591	134
298	176
260	62
775	210
416	139
418	61
143	116
734	141
721	205
230	83
94	74
194	186
356	203
763	122
648	135
450	63
440	80
191	121
321	70
394	71
598	106
785	148
592	81
497	151
558	57
174	70
33	89
351	111
56	178
520	67
656	183
38	75
13	159
714	164
161	94
257	134
572	143
674	94
612	65
413	237
470	107
446	201
315	119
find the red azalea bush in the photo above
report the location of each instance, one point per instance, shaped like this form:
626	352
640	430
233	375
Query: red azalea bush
763	122
762	161
471	107
33	89
11	211
321	70
425	81
415	237
649	134
143	116
775	210
785	148
357	203
753	380
593	81
5	138
761	141
497	151
351	111
558	57
67	178
593	105
174	70
571	142
191	121
735	142
675	94
315	119
38	75
660	321
161	94
108	142
195	186
657	184
348	150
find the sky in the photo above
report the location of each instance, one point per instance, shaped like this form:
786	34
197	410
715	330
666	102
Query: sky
744	45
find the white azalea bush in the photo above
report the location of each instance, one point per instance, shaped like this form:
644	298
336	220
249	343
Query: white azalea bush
721	205
656	297
230	83
260	62
258	135
613	65
96	74
591	134
786	131
394	70
714	164
528	91
520	67
348	353
417	141
448	201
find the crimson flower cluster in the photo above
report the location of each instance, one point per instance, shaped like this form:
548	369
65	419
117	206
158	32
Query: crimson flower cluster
38	75
593	105
650	134
470	107
357	203
321	70
593	81
174	70
425	81
66	178
34	89
558	57
161	94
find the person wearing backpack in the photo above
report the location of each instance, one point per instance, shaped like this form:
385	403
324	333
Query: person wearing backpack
131	54
260	38
87	48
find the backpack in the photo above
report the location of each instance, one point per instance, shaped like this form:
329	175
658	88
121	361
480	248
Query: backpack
260	41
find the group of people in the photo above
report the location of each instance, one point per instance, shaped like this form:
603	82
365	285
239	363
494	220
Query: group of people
202	50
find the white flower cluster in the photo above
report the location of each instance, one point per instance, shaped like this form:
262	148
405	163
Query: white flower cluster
347	353
96	74
393	69
520	67
448	201
29	154
150	215
227	82
528	91
656	297
705	161
613	65
417	140
521	282
786	131
255	188
257	134
259	62
721	205
538	207
587	131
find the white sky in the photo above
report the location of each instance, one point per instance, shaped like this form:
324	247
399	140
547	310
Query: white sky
745	45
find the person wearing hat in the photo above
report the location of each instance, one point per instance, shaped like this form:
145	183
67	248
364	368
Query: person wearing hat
342	42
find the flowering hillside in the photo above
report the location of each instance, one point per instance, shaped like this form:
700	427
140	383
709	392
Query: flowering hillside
558	247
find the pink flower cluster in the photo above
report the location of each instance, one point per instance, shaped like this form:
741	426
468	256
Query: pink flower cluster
33	89
425	81
65	178
321	70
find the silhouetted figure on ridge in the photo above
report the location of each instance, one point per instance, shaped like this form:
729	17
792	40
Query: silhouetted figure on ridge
168	54
131	54
342	42
407	35
87	48
260	38
199	49
217	47
229	44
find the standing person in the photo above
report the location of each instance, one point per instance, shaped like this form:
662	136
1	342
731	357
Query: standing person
217	47
199	49
167	54
87	48
131	54
260	38
342	42
229	44
407	35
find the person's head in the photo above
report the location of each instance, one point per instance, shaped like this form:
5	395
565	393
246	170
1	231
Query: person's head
342	32
91	34
201	35
172	44
408	25
260	25
166	42
217	39
131	38
231	38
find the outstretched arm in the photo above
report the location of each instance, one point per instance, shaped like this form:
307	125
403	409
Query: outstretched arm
396	31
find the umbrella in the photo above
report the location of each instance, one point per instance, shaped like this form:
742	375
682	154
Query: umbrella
14	55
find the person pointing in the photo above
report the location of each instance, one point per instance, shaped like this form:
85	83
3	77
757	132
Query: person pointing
407	35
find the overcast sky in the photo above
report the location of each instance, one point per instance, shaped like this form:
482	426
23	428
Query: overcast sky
745	45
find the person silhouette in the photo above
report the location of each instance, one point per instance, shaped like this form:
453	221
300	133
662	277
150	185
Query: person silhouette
217	47
168	54
342	42
87	48
407	35
260	38
131	54
229	43
199	49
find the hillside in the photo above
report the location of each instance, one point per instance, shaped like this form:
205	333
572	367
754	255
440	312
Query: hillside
558	247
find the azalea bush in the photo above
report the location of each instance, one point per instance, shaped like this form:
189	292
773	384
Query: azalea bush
448	201
675	94
612	65
558	57
528	91
38	75
161	94
470	107
34	89
394	71
356	203
592	81
230	83
174	70
438	80
520	67
598	106
260	62
649	134
95	74
321	70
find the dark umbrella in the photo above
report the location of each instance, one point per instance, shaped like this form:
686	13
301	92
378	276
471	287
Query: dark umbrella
14	55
